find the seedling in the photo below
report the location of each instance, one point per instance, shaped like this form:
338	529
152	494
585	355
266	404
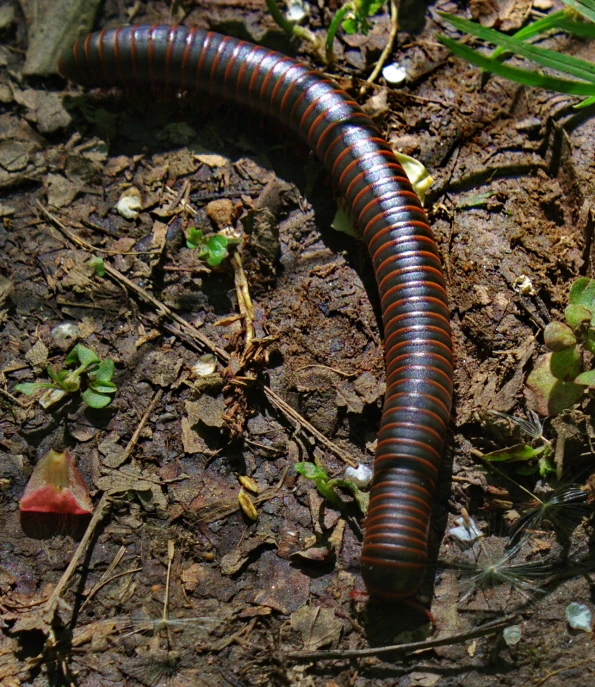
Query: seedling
326	486
561	376
212	248
56	486
98	376
97	265
577	19
352	18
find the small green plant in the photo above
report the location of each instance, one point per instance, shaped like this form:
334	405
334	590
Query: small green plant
561	376
100	387
578	19
352	18
97	265
212	248
326	486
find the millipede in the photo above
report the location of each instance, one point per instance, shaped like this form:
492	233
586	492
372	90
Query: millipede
388	215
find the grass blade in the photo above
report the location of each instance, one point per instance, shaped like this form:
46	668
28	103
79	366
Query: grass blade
585	103
522	76
584	7
558	21
546	58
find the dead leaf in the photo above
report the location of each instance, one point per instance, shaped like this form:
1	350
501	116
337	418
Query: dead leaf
504	15
37	355
212	160
207	410
52	25
60	191
113	454
317	627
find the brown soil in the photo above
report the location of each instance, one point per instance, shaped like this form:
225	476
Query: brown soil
512	198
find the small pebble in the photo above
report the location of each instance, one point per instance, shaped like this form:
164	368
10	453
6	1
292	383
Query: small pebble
512	635
220	212
394	74
295	10
129	204
65	331
205	365
524	286
465	531
360	476
579	616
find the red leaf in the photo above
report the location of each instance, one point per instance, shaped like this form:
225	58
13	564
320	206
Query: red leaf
56	486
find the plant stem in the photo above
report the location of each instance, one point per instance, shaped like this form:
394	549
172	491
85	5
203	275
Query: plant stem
288	26
388	48
332	31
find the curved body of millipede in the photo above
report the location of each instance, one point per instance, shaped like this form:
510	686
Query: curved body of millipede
387	212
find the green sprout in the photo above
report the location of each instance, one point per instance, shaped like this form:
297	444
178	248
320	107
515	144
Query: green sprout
97	265
352	18
578	19
212	248
326	486
98	373
561	376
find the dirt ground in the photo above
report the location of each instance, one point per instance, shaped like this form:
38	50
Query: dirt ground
173	584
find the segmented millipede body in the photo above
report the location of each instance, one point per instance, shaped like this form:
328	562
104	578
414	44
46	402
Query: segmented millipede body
387	212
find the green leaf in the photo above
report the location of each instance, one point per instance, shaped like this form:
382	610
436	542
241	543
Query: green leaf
558	336
29	388
417	174
526	469
311	471
516	453
350	25
57	376
577	316
97	265
95	400
320	478
589	341
566	364
345	484
367	8
586	378
545	466
582	292
547	394
522	76
103	387
103	372
216	249
194	238
83	355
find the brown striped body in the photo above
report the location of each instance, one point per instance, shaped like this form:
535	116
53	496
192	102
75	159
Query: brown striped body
387	212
